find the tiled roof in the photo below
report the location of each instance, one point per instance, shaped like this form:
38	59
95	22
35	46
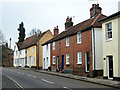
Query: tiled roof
30	41
92	22
117	14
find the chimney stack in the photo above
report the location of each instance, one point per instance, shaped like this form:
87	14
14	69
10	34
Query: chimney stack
68	22
56	31
95	10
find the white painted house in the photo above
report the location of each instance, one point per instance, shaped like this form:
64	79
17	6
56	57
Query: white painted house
46	56
20	56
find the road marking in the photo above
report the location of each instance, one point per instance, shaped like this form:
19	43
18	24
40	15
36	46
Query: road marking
32	76
16	83
47	81
67	88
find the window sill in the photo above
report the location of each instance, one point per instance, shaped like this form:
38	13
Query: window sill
79	42
67	64
67	45
79	63
108	40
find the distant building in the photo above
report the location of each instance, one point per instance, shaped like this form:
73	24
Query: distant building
7	55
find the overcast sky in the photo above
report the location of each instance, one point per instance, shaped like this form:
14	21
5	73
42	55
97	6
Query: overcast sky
46	14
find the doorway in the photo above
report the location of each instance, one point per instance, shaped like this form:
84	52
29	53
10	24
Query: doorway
110	67
87	61
62	61
57	62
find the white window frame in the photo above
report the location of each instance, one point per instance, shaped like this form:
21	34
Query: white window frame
79	38
79	58
33	60
67	59
53	45
67	41
53	60
108	31
33	49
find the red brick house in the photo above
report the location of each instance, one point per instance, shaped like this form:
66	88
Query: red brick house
78	49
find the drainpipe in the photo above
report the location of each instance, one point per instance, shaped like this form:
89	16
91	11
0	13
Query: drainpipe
93	48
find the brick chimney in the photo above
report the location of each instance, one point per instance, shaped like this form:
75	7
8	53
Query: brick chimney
68	23
95	10
56	31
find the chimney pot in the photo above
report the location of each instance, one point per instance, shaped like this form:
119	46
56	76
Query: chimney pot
56	31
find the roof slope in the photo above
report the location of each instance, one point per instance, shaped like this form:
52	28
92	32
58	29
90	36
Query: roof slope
117	14
92	22
30	41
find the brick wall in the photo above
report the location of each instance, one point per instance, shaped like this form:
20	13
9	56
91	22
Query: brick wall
61	49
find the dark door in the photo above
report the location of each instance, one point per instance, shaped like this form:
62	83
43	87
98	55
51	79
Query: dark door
87	59
57	62
62	61
110	66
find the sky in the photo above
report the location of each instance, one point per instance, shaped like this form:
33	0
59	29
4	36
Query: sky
46	14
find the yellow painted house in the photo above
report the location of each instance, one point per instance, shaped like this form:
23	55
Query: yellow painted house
35	49
111	46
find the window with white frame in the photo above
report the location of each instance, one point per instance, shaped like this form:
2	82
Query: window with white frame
79	58
53	45
33	60
79	37
67	41
109	31
33	49
67	59
53	60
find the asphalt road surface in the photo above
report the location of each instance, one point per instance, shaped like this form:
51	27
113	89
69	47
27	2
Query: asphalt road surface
27	79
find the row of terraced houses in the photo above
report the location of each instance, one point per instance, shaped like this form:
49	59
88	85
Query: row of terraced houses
89	48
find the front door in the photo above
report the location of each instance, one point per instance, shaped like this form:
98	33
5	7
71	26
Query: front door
44	64
30	61
87	61
57	62
62	61
110	67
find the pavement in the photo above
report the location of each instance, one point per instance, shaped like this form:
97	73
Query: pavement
106	82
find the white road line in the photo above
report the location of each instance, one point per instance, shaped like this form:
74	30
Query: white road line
67	88
32	76
47	81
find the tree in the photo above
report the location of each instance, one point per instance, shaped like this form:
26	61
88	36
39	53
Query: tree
21	30
34	31
2	38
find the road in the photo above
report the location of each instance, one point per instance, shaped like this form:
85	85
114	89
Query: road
16	78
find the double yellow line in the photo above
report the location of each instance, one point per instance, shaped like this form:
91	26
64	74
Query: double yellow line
16	83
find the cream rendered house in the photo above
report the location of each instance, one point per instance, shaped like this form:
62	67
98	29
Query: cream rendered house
111	46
